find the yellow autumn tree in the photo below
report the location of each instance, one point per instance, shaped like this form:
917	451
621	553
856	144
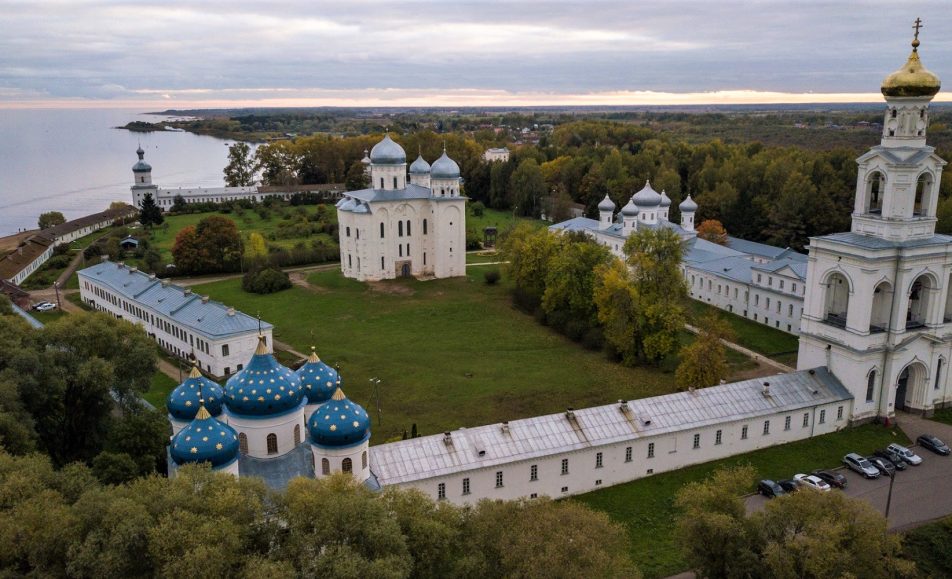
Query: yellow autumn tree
704	361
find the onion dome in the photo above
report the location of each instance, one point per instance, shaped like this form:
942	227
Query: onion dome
366	159
665	200
420	166
913	79
387	152
264	387
444	168
629	209
647	197
141	165
205	439
339	422
688	205
183	402
318	379
606	204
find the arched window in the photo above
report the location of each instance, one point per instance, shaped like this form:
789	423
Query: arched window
381	182
297	434
408	228
243	443
325	467
837	300
882	301
381	231
424	227
923	200
938	374
400	250
347	465
394	182
870	385
917	308
400	228
363	457
347	229
875	188
272	443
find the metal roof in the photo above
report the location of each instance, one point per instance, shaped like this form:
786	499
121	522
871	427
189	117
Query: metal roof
209	318
410	192
752	247
871	242
552	434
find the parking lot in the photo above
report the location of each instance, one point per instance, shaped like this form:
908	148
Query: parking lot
920	493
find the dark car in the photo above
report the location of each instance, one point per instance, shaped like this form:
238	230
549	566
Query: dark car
789	485
770	489
834	479
883	465
892	457
933	444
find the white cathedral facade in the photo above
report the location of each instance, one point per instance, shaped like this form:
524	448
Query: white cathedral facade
397	228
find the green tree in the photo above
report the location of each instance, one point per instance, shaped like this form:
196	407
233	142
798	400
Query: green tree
357	177
704	361
178	204
51	219
142	434
213	245
241	168
527	188
528	250
279	162
616	303
570	280
149	213
114	468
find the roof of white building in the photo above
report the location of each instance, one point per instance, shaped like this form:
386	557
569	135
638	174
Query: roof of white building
209	318
754	248
497	444
377	195
210	191
870	242
614	230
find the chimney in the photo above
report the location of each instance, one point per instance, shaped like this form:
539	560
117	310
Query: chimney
570	413
165	283
231	311
505	427
447	438
151	276
204	299
188	291
133	270
766	388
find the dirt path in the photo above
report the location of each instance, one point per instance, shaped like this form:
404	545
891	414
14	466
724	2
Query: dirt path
759	358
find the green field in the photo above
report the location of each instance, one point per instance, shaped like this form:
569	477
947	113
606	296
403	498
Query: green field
646	506
160	388
774	344
944	415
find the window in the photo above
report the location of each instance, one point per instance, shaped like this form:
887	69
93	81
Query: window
441	491
347	229
347	465
325	467
781	284
822	416
786	423
743	432
408	228
870	385
565	489
465	486
717	437
768	303
243	443
806	419
756	299
400	249
598	460
381	231
628	454
650	450
839	413
534	495
394	182
424	227
399	228
498	478
938	373
363	460
227	370
297	434
794	288
272	443
534	472
598	482
790	310
766	427
697	441
565	466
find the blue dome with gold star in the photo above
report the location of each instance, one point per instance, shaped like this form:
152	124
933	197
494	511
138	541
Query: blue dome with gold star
339	423
264	387
318	379
205	439
182	402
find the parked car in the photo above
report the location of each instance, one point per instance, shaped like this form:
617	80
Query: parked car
45	307
892	457
933	444
882	465
812	482
860	465
834	479
770	489
905	454
789	485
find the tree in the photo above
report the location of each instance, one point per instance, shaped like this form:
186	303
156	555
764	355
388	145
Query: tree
616	304
279	162
527	188
51	219
570	281
712	230
115	205
256	248
211	246
704	361
241	168
178	204
267	280
357	177
149	212
528	250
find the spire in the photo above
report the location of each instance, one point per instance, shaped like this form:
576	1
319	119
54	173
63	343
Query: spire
313	359
262	349
202	411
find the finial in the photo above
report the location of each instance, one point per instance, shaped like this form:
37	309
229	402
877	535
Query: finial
202	411
313	359
258	315
262	349
338	394
915	39
195	373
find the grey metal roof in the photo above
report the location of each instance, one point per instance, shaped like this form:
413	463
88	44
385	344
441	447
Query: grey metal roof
871	242
576	224
733	268
211	318
444	168
429	456
410	192
799	267
752	247
899	155
277	472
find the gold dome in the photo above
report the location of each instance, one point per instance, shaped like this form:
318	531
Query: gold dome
913	79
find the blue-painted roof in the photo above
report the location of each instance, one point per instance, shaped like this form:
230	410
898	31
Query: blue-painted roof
211	319
264	387
278	471
339	422
799	267
205	439
182	402
734	268
318	380
371	195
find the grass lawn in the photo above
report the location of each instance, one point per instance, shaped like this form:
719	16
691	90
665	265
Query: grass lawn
501	220
160	388
928	546
646	506
76	299
770	342
944	415
47	317
488	256
450	353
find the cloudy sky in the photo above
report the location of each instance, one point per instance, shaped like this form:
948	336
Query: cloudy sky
440	52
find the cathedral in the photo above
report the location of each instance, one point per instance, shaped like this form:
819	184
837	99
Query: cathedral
397	228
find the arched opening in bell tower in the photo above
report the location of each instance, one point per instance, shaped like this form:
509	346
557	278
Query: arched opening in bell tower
917	308
837	300
908	383
923	199
947	315
882	300
875	188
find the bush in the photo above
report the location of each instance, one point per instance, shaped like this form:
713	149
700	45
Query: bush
492	276
267	280
478	209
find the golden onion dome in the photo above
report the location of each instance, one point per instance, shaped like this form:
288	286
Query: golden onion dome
913	79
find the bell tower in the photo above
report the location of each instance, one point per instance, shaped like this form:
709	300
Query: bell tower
878	310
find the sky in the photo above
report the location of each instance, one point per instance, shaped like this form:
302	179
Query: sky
182	54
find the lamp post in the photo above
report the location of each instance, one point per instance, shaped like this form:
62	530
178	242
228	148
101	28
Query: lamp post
59	306
376	382
892	479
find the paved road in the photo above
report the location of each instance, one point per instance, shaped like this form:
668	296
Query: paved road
920	493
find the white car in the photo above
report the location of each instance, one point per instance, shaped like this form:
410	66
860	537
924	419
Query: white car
44	307
813	482
905	454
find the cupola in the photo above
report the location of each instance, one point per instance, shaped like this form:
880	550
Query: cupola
264	387
183	402
205	439
319	380
913	79
388	152
339	423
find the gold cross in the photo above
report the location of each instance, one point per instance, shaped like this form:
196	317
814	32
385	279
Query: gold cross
917	26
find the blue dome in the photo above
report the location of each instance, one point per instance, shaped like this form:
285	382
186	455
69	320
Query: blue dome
182	403
339	422
318	380
647	197
629	209
688	205
388	152
264	387
141	165
205	439
665	200
444	168
420	166
606	204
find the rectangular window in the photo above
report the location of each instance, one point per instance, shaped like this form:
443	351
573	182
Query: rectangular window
441	491
822	416
534	472
806	419
766	427
790	310
781	284
534	495
565	489
769	281
743	432
498	478
465	486
224	350
756	299
794	288
598	460
839	413
717	437
227	370
758	278
697	441
628	454
768	303
565	466
786	423
650	450
598	482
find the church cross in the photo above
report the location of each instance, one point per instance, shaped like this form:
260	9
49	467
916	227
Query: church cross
917	26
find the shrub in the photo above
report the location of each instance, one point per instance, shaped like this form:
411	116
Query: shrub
478	209
492	276
267	280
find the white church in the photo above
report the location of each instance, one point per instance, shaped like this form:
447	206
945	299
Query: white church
397	228
876	337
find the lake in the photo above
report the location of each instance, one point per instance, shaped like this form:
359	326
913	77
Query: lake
76	162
